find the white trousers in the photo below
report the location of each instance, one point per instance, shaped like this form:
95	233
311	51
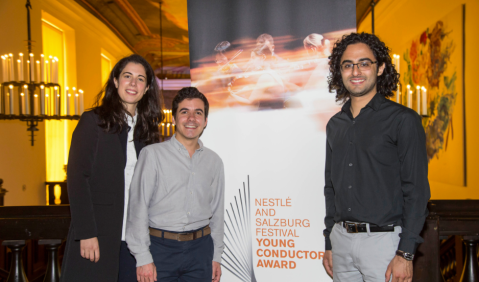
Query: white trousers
359	257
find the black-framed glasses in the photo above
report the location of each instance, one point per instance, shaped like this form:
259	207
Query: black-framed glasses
362	66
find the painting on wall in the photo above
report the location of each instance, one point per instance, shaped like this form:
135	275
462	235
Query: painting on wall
433	80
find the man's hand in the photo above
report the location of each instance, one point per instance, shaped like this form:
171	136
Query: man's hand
90	249
328	262
400	269
146	273
216	271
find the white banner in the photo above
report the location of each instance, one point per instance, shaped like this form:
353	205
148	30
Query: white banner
263	66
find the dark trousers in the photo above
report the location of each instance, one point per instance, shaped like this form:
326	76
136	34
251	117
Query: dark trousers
189	261
127	271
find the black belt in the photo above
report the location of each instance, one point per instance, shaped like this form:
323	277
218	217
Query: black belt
354	227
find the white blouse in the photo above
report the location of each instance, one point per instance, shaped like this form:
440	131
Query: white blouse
129	168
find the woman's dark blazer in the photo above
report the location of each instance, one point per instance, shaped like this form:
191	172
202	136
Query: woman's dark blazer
96	187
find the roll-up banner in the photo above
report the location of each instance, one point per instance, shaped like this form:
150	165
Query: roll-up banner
263	66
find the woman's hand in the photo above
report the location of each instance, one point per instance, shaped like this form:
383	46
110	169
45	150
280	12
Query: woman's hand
90	249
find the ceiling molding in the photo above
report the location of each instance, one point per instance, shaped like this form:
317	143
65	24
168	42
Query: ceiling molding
133	16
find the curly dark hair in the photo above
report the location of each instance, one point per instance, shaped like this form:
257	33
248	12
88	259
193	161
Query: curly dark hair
189	93
112	112
386	83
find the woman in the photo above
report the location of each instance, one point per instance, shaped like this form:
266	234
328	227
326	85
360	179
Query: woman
104	149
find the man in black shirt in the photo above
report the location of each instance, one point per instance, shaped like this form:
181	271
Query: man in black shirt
376	185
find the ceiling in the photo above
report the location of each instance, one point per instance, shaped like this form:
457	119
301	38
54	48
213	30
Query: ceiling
137	24
363	7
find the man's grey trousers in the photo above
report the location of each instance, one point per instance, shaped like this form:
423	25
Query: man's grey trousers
359	257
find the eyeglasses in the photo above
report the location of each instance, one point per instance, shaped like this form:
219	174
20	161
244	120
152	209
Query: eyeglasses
362	66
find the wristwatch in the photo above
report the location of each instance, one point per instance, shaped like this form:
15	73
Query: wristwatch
404	255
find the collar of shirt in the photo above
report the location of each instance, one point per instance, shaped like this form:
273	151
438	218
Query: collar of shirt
131	120
177	145
374	104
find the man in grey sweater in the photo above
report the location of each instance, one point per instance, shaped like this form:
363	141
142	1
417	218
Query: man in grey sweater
176	212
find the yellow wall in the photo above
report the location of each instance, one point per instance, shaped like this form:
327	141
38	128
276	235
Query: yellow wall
86	37
105	67
396	23
55	131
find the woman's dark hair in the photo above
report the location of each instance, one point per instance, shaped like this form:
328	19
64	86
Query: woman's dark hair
386	83
112	112
189	93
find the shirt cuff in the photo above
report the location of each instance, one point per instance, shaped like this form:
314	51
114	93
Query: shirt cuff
408	245
217	255
143	259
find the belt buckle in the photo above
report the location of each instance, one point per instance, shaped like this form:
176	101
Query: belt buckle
184	237
349	225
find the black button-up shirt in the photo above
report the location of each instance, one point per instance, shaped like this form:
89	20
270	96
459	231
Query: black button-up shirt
376	169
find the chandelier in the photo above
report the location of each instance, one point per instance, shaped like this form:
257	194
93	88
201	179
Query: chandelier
30	90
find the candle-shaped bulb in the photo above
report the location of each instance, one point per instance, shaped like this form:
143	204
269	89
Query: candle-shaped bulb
19	61
73	88
25	86
10	86
56	87
418	87
50	57
35	95
66	88
31	54
42	55
81	91
10	55
21	94
21	54
41	86
408	86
